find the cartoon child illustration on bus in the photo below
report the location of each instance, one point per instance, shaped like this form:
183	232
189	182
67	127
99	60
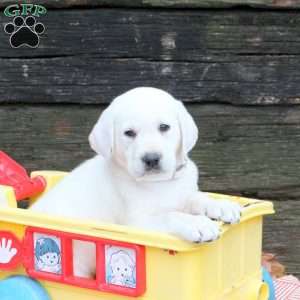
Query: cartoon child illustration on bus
47	255
120	268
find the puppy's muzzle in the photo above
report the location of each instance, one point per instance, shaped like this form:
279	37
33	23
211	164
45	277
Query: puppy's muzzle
151	161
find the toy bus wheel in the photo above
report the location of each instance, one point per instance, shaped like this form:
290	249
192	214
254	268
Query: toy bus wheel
263	292
22	288
257	290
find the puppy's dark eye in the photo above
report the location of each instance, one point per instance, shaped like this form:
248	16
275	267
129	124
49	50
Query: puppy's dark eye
130	133
164	127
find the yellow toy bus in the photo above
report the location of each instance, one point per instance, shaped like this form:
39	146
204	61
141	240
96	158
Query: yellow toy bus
36	259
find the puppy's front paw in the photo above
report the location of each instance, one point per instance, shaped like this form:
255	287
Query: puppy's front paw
196	229
226	211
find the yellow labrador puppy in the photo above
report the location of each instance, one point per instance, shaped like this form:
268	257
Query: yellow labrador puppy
141	176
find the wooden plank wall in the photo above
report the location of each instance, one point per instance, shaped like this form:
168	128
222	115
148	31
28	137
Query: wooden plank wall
236	70
274	4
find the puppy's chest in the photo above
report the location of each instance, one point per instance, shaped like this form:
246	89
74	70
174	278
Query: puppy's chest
154	198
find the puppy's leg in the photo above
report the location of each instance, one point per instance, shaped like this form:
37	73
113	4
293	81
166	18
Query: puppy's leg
192	228
84	259
224	210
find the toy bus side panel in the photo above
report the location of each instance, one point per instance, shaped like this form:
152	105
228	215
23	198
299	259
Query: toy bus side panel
253	229
169	276
240	268
226	269
229	268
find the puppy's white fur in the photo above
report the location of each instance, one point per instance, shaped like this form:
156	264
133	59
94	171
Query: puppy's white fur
115	186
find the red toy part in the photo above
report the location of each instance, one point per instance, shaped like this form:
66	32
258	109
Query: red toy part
14	175
57	264
10	250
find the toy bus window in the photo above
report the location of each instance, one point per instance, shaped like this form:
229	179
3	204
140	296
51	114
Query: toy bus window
120	266
83	263
47	253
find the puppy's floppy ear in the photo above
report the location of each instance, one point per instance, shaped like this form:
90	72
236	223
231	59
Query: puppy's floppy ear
101	138
188	128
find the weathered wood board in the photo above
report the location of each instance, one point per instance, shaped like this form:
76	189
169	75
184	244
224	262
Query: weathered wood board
163	3
90	56
242	150
253	151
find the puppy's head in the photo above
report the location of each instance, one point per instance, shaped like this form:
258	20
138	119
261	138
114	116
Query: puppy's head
147	132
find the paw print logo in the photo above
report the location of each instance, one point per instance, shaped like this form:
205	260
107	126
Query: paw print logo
24	31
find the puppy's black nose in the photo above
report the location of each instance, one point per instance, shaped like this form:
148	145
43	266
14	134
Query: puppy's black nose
151	160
